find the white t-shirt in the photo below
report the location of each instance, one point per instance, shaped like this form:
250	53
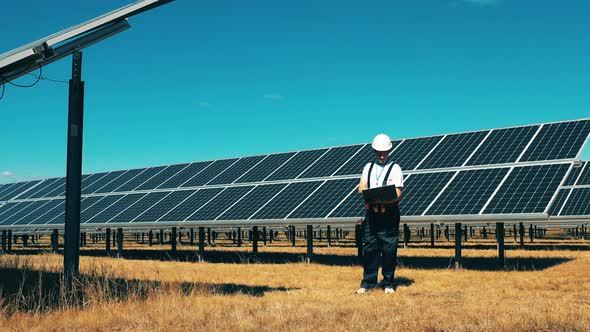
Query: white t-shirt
378	175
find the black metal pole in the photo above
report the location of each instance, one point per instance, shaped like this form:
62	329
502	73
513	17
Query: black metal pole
119	242
108	241
500	239
329	236
3	241
432	235
74	172
201	244
309	255
457	246
521	233
173	240
255	240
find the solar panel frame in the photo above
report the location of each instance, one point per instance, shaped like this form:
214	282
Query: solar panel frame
584	176
557	204
578	203
573	135
503	146
421	185
321	203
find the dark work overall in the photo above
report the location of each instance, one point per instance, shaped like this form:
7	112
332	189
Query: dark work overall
380	238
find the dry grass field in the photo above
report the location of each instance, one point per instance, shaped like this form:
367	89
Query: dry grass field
540	290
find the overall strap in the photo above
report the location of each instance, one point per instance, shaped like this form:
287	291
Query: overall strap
387	174
369	176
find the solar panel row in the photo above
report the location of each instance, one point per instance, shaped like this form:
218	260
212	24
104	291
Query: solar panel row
525	189
549	142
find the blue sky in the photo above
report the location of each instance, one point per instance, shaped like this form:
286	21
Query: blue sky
199	80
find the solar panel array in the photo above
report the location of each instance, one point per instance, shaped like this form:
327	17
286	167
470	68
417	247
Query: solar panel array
500	171
574	196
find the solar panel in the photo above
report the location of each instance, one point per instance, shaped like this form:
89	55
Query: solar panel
325	199
420	190
558	202
164	206
185	208
9	209
578	204
265	167
359	160
161	177
140	179
48	206
584	178
17	191
96	185
330	162
468	192
30	207
558	141
44	184
352	206
503	146
143	203
238	169
573	176
5	186
409	154
100	203
57	184
222	202
248	205
528	189
58	209
282	204
112	211
128	177
186	174
453	150
301	161
210	172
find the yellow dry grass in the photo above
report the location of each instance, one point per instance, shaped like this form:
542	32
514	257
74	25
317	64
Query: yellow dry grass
302	297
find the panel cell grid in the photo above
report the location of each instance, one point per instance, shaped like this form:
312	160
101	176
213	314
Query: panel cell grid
141	178
558	202
468	192
164	206
184	175
330	162
101	204
123	180
420	190
96	185
5	208
113	210
219	204
21	189
412	151
454	150
190	205
26	210
296	165
57	216
10	209
238	169
137	208
247	206
206	175
558	141
578	204
58	208
353	206
51	204
325	199
161	177
281	205
57	185
528	189
503	146
584	178
265	168
358	161
573	176
45	184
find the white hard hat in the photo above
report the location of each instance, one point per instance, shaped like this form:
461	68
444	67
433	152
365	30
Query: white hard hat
382	142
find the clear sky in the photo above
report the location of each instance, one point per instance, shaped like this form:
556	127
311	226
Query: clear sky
199	80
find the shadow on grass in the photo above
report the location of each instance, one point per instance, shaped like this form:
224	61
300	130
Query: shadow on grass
511	246
482	263
27	290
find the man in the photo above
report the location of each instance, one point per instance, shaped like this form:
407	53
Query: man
381	224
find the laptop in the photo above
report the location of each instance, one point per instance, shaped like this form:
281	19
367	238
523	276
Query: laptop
385	193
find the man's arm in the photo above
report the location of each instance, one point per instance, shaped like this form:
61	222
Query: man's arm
362	186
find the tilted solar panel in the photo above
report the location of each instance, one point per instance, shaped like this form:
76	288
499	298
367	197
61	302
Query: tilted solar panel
325	199
127	177
187	207
503	146
164	206
138	206
468	192
574	174
186	174
222	202
330	162
584	178
265	167
558	202
282	204
161	177
210	172
412	151
231	174
300	162
115	209
528	189
359	160
96	185
578	203
252	202
420	190
453	150
558	141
